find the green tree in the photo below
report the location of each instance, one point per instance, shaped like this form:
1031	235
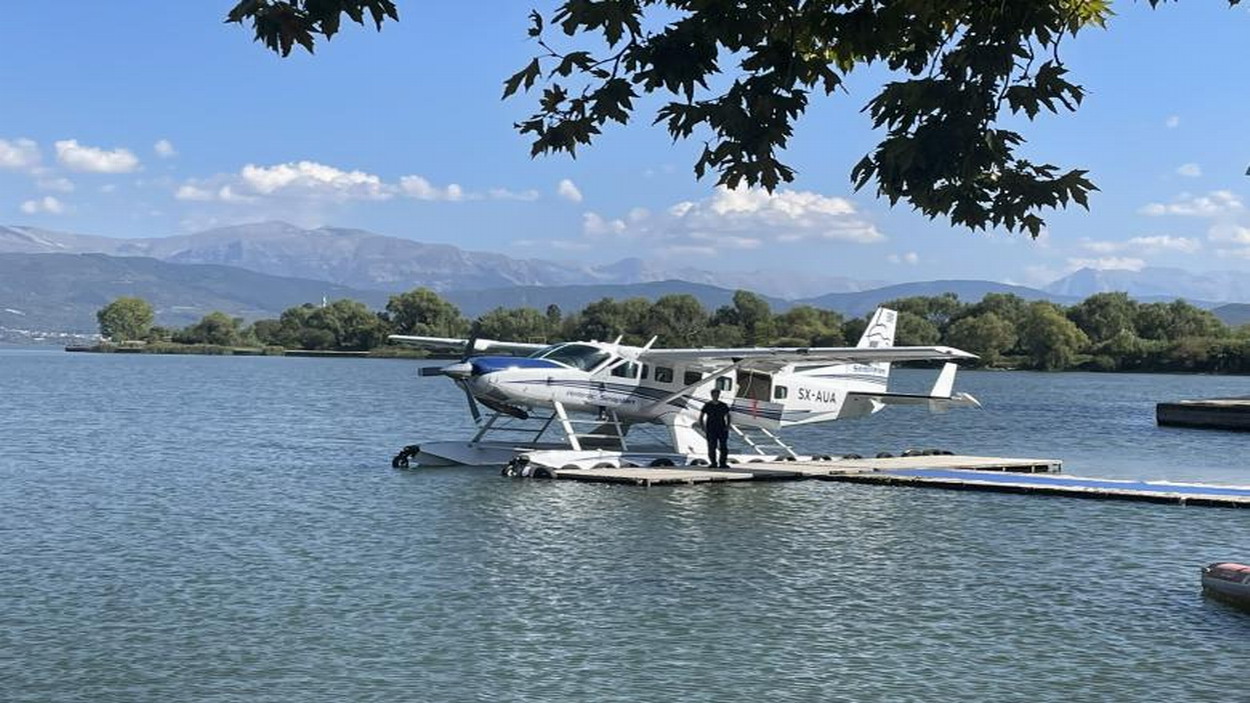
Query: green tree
678	320
423	312
1104	315
345	325
125	319
1176	320
512	324
853	329
739	75
1009	307
938	310
804	325
986	335
216	328
555	320
267	332
914	330
607	318
1051	340
754	316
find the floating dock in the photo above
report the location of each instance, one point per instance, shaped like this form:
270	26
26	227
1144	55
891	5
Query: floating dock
1211	413
1007	475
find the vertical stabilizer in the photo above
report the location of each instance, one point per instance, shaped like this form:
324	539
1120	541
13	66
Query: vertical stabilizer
880	330
880	333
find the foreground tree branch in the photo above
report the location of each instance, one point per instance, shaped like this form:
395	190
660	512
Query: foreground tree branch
961	66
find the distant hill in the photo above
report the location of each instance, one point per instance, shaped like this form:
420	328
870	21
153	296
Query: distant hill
62	292
863	302
1233	314
360	259
572	298
1154	283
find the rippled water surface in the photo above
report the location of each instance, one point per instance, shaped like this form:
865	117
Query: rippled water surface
229	529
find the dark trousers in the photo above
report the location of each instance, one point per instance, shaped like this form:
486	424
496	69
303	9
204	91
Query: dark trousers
718	439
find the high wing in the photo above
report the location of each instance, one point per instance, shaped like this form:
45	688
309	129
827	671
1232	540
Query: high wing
465	347
774	358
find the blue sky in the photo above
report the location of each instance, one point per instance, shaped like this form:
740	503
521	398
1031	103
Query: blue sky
151	118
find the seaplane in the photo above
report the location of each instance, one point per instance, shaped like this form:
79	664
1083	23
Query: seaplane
575	403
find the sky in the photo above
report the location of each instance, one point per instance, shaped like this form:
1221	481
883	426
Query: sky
153	118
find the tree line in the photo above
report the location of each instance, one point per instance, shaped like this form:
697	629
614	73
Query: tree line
1104	332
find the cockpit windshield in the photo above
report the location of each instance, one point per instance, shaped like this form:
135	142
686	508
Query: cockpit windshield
578	356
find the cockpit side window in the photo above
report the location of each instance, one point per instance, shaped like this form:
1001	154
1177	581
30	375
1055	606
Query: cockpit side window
629	369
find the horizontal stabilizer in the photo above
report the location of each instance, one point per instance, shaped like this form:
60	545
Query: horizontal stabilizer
936	403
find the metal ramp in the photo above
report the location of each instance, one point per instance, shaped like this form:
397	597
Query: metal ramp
606	431
764	442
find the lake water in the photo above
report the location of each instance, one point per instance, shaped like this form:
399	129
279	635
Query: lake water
229	529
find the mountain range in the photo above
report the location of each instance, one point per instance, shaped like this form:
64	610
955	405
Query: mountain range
365	260
57	281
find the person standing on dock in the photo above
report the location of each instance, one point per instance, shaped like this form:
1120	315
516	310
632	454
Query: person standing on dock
715	421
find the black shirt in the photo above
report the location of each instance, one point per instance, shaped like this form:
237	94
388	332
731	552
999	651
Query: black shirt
715	415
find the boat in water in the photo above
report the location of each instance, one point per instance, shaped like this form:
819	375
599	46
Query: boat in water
1227	581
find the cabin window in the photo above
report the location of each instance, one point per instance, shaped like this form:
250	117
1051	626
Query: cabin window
691	378
663	374
628	369
646	370
724	383
780	392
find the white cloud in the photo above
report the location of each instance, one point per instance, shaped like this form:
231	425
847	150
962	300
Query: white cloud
1145	245
740	218
309	183
593	225
505	194
1172	122
164	149
569	191
310	178
689	250
421	189
1108	263
569	244
1229	233
910	257
46	204
190	192
57	183
78	157
1189	170
1186	245
1219	203
19	154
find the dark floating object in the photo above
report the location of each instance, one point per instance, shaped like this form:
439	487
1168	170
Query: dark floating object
1227	581
1210	413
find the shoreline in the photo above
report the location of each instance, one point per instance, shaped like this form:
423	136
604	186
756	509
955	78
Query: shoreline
216	350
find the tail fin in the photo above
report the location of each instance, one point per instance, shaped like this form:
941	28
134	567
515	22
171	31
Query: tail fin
880	333
880	329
